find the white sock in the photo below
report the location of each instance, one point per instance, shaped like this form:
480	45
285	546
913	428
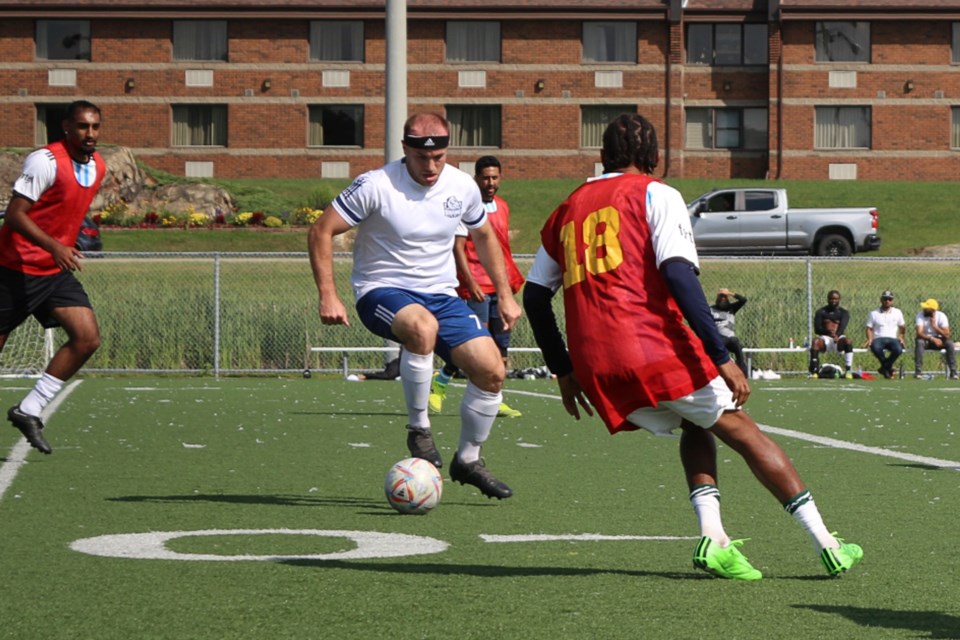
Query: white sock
416	372
43	392
848	359
478	410
805	511
705	499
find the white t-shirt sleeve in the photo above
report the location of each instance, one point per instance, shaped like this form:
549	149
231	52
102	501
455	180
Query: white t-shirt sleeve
669	223
357	201
545	271
462	231
39	174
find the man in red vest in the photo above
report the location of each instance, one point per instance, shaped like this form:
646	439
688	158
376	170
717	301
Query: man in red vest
38	257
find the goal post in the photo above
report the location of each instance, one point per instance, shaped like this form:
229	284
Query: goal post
28	349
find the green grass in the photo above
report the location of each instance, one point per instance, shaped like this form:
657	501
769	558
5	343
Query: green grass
139	455
912	215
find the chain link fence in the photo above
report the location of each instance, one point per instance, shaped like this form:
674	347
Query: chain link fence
241	313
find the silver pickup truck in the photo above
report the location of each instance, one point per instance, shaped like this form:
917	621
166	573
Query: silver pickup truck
758	221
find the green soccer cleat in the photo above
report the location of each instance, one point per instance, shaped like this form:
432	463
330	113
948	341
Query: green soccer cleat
724	562
506	412
837	561
438	393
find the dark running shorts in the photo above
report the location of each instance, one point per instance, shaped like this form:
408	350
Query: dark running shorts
23	295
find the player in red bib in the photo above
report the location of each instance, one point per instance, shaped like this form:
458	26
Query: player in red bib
643	347
38	257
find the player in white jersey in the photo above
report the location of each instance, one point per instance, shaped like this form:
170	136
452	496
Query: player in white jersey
404	279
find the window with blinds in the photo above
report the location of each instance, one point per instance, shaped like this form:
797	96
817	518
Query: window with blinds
336	40
473	41
842	128
474	125
610	41
200	125
594	120
200	40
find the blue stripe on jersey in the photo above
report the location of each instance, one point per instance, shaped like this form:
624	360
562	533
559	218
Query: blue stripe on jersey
83	173
342	205
476	221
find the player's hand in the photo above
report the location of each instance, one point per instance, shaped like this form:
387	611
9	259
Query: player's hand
572	395
67	258
332	311
510	311
736	381
937	342
476	293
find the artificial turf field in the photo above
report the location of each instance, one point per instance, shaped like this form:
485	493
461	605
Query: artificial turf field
253	508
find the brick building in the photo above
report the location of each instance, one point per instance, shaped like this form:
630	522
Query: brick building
798	89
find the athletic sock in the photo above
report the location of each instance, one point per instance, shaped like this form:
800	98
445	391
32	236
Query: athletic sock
46	388
478	410
848	359
705	499
416	372
805	511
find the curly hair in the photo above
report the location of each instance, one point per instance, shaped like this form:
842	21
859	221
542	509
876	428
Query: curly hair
630	140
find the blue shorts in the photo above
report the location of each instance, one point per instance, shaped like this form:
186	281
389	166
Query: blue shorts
458	324
489	313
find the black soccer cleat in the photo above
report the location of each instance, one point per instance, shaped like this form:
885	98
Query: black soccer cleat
31	427
476	473
420	444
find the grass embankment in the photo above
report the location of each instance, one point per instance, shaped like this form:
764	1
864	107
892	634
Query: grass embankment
912	215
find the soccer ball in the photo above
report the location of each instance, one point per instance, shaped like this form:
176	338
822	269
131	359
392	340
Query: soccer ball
413	485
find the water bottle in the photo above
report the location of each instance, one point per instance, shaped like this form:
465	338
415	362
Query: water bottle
791	343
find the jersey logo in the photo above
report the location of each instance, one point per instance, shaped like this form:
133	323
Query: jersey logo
452	207
26	178
349	191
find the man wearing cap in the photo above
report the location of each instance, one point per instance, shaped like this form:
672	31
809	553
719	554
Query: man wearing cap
933	332
404	280
723	311
885	333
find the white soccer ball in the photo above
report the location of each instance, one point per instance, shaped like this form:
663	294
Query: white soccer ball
413	485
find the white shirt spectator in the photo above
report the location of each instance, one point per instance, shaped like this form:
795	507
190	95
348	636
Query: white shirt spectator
885	324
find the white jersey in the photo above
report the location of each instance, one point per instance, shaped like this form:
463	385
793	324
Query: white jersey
406	230
40	172
885	324
670	233
928	323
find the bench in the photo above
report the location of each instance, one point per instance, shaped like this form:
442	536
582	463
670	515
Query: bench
747	351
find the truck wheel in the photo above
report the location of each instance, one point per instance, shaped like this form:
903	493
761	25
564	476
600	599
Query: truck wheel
834	245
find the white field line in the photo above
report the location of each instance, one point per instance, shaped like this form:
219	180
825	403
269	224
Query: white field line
826	442
18	454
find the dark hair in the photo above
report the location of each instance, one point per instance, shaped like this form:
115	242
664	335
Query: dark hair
485	162
833	291
630	140
77	106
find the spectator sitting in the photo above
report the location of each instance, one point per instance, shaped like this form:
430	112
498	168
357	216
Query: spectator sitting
885	333
829	324
933	332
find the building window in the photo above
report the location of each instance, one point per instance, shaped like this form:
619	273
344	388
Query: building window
49	123
336	40
335	125
200	125
609	41
199	39
955	42
708	128
63	39
727	44
843	41
842	128
474	126
595	118
955	128
473	41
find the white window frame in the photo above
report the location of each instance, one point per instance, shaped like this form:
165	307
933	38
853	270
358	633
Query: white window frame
606	42
317	133
58	39
337	41
473	41
200	40
199	125
475	125
842	127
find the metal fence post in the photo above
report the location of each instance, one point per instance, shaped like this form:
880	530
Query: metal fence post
216	315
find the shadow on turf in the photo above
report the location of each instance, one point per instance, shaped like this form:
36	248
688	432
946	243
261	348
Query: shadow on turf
378	507
487	571
934	623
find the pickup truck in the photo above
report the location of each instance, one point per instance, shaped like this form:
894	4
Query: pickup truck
758	221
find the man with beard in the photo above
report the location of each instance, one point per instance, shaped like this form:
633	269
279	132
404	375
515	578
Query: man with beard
829	324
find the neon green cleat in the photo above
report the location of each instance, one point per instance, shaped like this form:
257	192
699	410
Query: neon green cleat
837	561
506	412
724	562
848	375
438	392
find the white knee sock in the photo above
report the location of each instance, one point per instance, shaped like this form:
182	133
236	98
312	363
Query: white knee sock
805	511
43	392
416	372
478	410
705	499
